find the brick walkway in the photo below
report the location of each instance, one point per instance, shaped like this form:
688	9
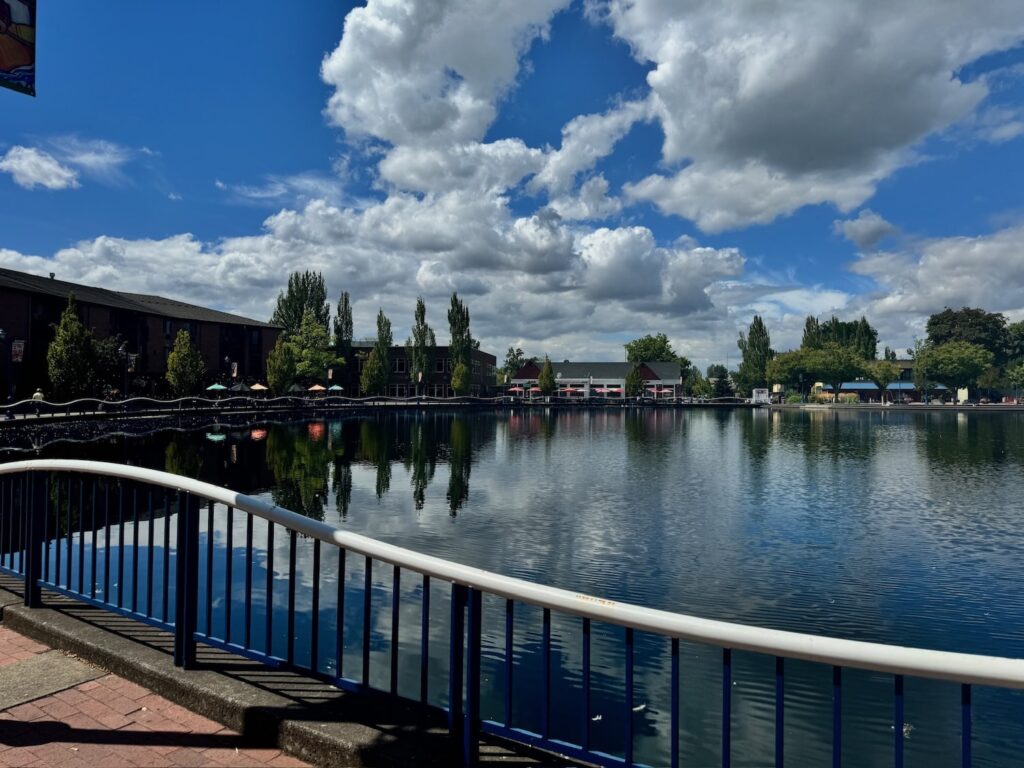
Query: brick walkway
111	722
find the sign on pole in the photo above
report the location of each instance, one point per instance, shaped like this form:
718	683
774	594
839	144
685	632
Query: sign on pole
18	45
17	350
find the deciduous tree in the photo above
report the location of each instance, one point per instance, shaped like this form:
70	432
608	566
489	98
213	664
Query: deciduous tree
343	326
280	367
373	378
460	379
185	369
306	292
71	356
546	379
384	342
756	348
956	363
974	326
312	350
882	373
420	346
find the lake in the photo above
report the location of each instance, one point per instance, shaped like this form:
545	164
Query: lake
895	527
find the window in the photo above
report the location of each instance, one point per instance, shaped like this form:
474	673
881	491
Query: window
439	365
167	329
448	364
398	365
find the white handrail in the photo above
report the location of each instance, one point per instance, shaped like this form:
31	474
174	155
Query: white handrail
894	659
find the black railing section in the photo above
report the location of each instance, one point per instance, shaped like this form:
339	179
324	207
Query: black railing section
148	552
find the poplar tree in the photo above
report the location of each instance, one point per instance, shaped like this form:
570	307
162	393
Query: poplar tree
306	292
458	325
420	346
280	367
384	341
756	348
343	326
546	380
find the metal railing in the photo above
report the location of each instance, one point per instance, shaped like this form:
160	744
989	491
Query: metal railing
49	508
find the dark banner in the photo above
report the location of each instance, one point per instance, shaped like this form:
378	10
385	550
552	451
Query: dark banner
18	45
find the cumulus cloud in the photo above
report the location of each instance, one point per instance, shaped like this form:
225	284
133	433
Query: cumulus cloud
409	72
483	168
591	202
865	231
780	105
31	168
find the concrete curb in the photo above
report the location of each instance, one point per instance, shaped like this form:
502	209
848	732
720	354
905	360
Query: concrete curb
308	719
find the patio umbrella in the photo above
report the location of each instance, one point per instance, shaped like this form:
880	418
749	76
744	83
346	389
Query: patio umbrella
216	388
515	389
335	388
318	388
239	387
535	389
258	388
296	388
602	390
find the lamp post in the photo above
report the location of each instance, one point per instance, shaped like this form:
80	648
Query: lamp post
419	383
227	369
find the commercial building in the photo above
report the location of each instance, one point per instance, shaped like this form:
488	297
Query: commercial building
586	380
232	347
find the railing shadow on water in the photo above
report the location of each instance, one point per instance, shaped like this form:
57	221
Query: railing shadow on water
592	679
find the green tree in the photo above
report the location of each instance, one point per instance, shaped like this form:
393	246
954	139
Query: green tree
882	373
546	380
312	350
281	367
185	369
756	348
71	356
956	363
420	346
920	372
109	363
306	292
634	382
717	371
812	334
722	387
889	354
1015	375
835	363
384	342
460	379
987	330
655	349
343	326
461	339
514	360
697	385
373	379
791	368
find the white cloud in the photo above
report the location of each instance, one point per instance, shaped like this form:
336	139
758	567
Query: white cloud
97	158
33	168
777	105
431	73
865	231
484	168
296	189
591	202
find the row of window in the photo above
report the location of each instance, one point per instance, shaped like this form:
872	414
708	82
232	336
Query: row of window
441	365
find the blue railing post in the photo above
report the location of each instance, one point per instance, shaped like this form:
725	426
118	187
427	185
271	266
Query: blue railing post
186	583
456	657
471	732
35	515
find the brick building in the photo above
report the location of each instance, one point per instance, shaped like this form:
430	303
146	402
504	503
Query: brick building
31	305
436	383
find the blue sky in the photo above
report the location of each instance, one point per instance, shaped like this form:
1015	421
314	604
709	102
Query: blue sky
582	172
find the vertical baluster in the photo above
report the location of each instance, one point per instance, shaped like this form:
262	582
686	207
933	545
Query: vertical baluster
167	555
837	717
629	697
367	593
247	606
120	544
471	732
229	556
674	704
545	674
43	510
106	544
135	548
36	525
6	510
314	640
965	725
509	658
339	639
69	539
209	569
897	721
269	623
292	543
425	640
149	552
726	707
455	662
56	531
92	551
396	595
585	683
780	711
186	581
81	535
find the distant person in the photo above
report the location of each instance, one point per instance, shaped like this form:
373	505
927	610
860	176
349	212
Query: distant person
38	395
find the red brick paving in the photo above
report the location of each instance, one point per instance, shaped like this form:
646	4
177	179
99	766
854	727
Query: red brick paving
114	723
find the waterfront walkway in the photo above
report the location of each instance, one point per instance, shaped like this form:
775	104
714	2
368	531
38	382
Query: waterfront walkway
58	710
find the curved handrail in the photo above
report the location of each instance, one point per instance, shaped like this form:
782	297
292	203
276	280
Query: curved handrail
946	665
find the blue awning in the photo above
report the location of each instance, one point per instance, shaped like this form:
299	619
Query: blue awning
869	386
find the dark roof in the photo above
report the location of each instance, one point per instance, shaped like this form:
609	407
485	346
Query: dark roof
134	302
160	305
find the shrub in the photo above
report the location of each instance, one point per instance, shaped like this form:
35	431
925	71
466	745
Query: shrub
794	398
849	398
